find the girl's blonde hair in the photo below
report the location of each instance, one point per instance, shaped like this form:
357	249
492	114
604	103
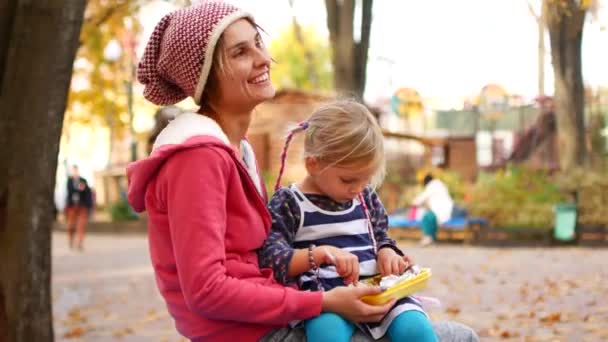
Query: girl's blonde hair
342	133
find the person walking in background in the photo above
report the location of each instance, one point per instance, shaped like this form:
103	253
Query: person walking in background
79	204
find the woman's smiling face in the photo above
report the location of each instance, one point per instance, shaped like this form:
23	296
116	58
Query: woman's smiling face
243	80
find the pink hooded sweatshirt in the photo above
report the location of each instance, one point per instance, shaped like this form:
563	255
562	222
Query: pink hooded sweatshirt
206	217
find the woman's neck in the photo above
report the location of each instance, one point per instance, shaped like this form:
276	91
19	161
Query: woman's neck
234	125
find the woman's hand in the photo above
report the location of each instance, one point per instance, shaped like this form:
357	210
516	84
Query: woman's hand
389	262
347	264
346	302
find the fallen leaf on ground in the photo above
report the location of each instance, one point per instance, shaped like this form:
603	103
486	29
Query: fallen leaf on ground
75	316
452	310
572	284
75	332
123	332
551	318
502	316
508	334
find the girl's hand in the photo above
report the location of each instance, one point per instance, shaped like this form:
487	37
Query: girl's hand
347	264
389	262
345	302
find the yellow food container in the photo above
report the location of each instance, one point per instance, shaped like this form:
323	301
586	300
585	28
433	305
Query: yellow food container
401	290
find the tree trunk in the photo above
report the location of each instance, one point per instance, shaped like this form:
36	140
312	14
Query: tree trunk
38	41
349	58
308	55
540	22
565	26
541	52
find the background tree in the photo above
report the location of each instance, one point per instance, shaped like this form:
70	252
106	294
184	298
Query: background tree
292	51
540	22
100	88
38	41
565	20
349	56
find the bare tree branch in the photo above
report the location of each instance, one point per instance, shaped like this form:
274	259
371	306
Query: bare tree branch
532	12
308	55
7	15
99	19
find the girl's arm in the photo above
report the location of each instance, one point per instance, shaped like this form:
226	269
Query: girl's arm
277	252
379	220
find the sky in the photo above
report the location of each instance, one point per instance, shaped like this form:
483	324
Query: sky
447	50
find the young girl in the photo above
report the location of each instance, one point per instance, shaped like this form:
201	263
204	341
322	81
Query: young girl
330	229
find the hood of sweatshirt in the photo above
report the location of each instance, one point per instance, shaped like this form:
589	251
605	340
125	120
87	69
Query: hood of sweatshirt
187	130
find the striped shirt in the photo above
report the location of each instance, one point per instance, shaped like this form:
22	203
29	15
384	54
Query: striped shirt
346	229
286	214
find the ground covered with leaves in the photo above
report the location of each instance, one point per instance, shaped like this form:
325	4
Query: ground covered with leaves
108	293
521	294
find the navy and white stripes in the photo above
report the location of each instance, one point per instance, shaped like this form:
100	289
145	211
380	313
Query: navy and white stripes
346	229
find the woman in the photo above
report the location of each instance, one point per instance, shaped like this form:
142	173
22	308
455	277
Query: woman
204	196
441	208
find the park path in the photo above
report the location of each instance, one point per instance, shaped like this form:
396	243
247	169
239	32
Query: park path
108	293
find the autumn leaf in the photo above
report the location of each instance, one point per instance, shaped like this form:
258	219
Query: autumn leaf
572	284
75	332
452	310
502	317
492	332
123	332
551	318
508	334
75	316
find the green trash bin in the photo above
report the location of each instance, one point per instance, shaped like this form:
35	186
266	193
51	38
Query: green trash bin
565	221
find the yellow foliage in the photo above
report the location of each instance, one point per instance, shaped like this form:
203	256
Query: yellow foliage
99	86
295	62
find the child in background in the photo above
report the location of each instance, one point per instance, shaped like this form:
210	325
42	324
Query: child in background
330	229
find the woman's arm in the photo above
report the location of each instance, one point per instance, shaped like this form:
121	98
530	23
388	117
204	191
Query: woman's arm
422	197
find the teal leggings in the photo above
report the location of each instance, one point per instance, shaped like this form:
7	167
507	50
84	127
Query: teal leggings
429	224
408	326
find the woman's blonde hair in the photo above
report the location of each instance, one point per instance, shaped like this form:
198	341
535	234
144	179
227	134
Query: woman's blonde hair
342	133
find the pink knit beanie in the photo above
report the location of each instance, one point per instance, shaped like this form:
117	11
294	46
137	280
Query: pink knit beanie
178	57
